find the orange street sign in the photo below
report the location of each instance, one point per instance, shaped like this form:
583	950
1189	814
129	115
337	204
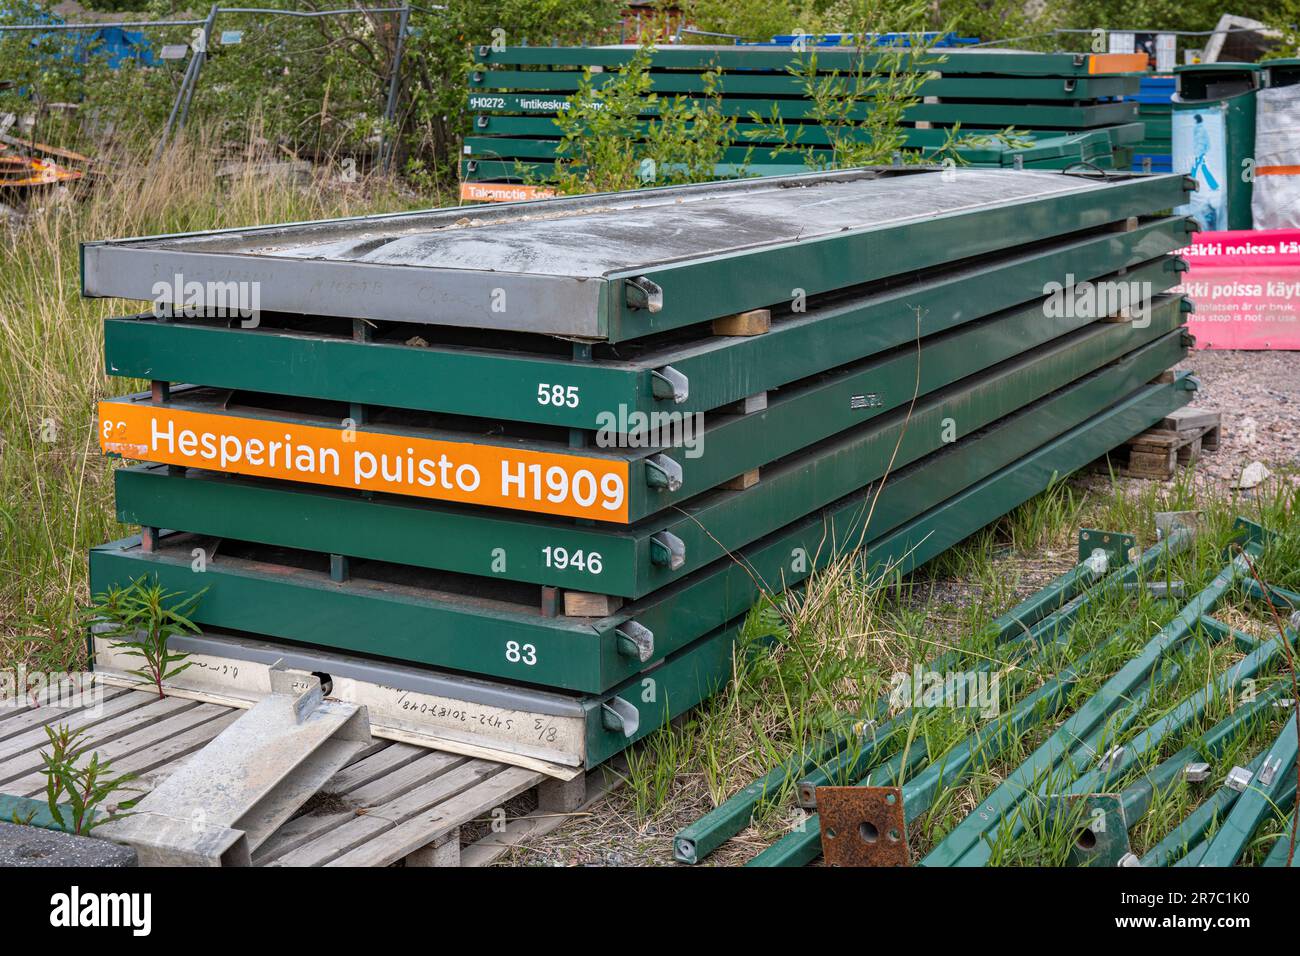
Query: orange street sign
1117	63
503	192
494	475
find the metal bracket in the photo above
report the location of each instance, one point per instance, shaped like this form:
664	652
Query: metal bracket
642	293
1115	544
1196	772
1110	758
863	826
1268	773
617	714
226	799
667	382
1167	522
635	640
667	550
1238	779
663	472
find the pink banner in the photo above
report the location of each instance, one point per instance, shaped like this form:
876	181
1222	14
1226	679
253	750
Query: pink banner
1246	286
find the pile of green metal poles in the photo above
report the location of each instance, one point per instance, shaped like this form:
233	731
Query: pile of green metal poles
1042	618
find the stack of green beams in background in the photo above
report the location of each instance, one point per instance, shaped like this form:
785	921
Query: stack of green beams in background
1073	113
912	321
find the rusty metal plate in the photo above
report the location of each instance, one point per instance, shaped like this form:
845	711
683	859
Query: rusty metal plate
862	826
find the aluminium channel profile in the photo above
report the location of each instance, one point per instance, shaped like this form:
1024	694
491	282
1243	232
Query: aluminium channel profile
620	266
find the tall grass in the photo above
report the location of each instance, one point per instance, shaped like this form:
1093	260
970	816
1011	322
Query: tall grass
55	486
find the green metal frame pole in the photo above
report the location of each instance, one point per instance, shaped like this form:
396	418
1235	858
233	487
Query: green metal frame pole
1261	797
802	847
1190	710
1181	839
845	766
965	844
1134	800
1196	855
696	841
1281	852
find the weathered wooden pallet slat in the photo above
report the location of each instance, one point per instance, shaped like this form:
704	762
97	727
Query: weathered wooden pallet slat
152	740
21	719
392	802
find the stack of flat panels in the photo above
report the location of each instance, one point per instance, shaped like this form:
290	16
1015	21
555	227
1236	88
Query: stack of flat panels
529	469
1070	105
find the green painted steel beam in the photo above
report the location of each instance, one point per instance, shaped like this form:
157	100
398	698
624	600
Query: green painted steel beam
997	115
470	632
1053	628
1016	89
543	127
696	841
802	847
1069	148
1190	833
719	370
1186	713
1137	796
805	478
683	57
1262	797
1282	849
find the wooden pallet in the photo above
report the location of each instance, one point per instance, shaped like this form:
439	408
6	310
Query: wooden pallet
1178	440
395	802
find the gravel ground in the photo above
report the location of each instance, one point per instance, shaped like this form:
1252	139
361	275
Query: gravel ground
1259	396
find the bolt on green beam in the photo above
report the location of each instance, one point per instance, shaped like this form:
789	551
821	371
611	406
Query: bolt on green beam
1266	790
1185	837
1196	855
